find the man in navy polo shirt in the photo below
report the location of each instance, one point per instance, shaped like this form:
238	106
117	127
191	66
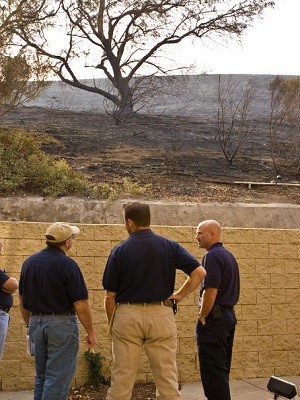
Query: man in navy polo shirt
139	280
8	285
52	292
216	322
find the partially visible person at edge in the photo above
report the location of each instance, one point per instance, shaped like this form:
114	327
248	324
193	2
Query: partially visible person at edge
8	286
216	323
139	280
52	292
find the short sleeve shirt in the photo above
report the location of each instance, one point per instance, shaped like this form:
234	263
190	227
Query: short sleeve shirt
222	273
50	281
6	299
143	267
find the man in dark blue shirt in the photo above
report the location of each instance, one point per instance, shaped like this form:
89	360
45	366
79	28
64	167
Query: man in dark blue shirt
139	280
52	291
216	322
8	285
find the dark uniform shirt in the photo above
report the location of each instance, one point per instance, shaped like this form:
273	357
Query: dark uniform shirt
143	267
223	274
6	299
51	282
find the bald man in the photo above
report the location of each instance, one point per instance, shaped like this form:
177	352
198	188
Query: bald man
219	292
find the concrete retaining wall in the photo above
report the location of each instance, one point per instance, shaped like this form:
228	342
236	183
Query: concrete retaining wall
38	209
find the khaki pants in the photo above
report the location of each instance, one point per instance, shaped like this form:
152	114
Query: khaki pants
148	327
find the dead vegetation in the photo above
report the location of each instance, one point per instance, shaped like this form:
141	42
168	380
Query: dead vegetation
158	157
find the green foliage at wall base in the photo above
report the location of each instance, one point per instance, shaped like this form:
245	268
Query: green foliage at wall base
95	365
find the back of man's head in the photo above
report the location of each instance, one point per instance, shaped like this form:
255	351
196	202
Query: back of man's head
139	213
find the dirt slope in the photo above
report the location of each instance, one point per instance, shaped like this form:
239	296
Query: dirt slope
167	158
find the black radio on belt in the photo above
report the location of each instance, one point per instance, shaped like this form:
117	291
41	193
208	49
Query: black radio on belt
174	306
216	311
171	303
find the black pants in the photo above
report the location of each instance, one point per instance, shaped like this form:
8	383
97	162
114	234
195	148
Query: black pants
215	342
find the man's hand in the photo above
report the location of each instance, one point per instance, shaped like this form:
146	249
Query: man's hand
90	340
192	282
83	311
201	319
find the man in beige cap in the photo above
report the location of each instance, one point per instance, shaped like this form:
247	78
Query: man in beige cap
52	292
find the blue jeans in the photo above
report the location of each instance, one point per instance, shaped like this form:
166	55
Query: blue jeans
56	341
4	320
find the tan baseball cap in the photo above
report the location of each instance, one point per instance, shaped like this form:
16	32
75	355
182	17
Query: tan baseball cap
60	231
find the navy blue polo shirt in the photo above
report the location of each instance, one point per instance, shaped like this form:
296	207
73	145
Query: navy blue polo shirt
222	273
6	299
143	267
51	282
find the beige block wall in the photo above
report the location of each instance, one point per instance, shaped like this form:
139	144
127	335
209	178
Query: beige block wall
268	332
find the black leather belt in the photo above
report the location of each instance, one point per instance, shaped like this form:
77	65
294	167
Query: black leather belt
6	309
48	313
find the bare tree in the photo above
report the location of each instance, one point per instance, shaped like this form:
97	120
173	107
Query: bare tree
234	125
125	38
284	123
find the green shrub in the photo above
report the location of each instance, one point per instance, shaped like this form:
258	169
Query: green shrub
95	365
103	191
133	188
25	167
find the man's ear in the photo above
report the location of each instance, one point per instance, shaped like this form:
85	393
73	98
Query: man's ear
129	222
68	243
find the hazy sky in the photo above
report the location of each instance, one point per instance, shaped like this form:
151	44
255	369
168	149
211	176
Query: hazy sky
270	46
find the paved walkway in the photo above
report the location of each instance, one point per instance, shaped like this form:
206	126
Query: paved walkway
248	389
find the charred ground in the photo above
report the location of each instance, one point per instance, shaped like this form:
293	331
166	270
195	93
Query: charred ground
172	158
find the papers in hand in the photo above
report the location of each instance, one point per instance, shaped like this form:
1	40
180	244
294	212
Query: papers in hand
30	346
